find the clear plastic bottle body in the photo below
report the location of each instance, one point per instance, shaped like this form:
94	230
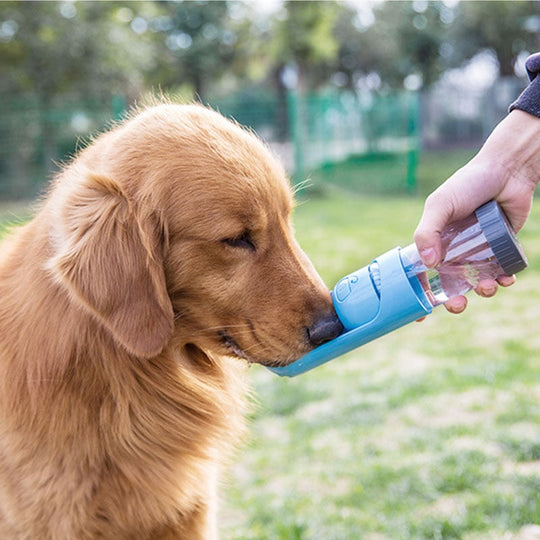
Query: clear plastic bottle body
469	259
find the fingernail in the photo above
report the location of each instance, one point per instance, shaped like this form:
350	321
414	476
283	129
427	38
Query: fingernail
429	256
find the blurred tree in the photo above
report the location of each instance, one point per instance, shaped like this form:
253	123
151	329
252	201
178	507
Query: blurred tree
53	51
358	54
303	40
51	48
81	48
413	43
506	28
199	44
405	41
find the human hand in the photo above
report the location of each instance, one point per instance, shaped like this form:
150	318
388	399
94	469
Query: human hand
506	169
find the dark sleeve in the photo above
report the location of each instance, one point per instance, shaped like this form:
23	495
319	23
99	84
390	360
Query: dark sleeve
529	100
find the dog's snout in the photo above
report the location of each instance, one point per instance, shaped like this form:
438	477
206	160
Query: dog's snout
325	329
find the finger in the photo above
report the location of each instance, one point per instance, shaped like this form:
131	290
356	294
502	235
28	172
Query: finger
506	281
456	305
486	288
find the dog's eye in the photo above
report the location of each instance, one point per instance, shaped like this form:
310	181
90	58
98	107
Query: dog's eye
244	241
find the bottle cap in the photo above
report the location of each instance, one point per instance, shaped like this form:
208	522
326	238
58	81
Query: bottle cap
501	238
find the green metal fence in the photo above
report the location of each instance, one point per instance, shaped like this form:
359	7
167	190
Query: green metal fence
362	142
367	143
36	137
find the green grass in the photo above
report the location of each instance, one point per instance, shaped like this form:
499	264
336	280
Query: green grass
13	214
435	166
432	432
387	173
372	173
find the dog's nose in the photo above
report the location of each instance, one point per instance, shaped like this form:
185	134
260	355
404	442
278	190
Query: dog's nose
324	330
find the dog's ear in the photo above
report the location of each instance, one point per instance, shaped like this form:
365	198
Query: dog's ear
110	258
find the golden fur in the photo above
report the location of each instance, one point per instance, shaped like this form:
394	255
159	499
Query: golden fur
162	254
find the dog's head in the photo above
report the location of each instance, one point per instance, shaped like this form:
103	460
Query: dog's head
178	223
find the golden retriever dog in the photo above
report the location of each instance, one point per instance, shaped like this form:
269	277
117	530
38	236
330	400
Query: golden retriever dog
160	264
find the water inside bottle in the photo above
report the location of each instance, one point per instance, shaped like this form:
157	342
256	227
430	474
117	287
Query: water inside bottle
465	265
456	278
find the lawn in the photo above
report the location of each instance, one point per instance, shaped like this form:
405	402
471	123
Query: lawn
432	432
387	173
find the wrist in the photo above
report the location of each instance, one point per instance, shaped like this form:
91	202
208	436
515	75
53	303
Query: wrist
514	148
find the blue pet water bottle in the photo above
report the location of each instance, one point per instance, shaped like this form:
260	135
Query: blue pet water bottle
397	288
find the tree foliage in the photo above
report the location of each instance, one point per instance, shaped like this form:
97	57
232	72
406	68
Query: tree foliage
198	44
54	48
304	38
51	48
504	28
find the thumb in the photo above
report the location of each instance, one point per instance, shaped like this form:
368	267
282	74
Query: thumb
427	238
439	211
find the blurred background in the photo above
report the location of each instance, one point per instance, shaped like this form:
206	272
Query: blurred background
432	432
335	87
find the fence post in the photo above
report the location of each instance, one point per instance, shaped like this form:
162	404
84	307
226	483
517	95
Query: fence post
413	143
119	107
296	121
